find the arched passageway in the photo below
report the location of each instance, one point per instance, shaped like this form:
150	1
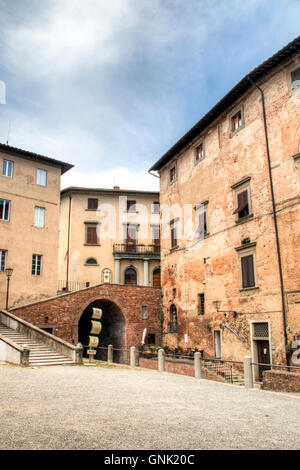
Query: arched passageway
113	329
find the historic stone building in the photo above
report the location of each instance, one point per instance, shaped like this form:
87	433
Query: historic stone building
230	220
109	236
29	222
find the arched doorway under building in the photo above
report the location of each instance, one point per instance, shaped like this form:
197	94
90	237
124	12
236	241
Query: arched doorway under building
113	329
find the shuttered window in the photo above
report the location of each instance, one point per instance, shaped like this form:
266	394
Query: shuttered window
243	204
236	121
248	276
92	204
173	174
91	235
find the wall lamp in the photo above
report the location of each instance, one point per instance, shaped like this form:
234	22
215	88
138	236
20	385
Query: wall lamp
217	305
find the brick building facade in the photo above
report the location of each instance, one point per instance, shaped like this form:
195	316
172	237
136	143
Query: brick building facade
230	220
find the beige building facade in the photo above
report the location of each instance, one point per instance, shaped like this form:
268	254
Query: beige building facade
230	221
108	236
29	223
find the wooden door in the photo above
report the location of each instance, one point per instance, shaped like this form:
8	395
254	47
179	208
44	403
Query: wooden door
263	356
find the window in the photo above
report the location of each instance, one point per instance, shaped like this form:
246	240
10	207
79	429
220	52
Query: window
295	75
236	121
151	338
156	277
155	207
91	236
3	258
4	210
144	312
173	174
156	235
36	265
41	177
92	204
130	277
131	235
131	206
199	152
201	221
201	304
39	217
243	207
174	293
91	262
7	168
174	234
247	266
173	325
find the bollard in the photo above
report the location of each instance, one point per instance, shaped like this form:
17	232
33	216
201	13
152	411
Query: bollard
161	360
197	365
133	356
110	354
248	372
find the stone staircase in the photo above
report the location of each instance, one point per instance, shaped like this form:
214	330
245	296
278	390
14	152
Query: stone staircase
225	371
40	354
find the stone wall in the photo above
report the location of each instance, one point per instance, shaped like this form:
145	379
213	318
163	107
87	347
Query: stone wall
281	381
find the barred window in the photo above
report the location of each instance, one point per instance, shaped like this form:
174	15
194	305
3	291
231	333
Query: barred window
36	265
261	330
201	304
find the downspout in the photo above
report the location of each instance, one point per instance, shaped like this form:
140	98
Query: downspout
68	249
274	215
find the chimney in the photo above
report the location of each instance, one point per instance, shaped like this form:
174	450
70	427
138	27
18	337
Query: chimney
116	188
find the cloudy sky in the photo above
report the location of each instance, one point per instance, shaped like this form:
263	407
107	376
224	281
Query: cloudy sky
111	85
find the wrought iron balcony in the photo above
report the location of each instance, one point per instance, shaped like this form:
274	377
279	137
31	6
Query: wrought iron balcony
135	250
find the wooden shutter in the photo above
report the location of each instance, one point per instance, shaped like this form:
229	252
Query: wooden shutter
242	200
248	271
91	235
93	204
173	236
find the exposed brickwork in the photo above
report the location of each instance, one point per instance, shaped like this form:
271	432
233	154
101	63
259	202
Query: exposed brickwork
64	312
281	381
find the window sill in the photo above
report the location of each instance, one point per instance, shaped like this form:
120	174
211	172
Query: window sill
91	265
249	289
91	210
244	219
91	244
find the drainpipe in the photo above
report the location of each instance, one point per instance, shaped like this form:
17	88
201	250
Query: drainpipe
274	214
68	249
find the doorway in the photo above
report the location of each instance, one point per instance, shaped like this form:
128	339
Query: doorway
263	356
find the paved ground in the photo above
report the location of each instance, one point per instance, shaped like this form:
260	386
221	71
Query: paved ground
81	407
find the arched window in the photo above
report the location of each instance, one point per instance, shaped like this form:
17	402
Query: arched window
130	277
91	262
156	277
173	325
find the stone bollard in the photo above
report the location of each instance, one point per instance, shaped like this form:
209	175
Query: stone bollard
248	372
161	360
197	365
133	356
110	354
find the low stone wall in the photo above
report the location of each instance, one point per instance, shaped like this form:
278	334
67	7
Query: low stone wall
281	381
180	369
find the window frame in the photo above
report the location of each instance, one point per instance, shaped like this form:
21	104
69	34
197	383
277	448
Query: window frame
92	208
12	168
6	202
40	171
35	216
34	266
201	303
91	264
202	209
199	143
131	208
155	204
3	260
174	225
239	188
173	167
232	115
244	251
91	225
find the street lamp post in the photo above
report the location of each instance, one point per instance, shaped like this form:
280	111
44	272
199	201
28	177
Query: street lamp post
9	272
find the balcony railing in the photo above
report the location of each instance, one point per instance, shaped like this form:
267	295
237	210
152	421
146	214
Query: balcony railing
71	286
132	248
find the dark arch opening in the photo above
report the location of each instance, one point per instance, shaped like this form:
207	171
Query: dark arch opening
156	277
130	277
113	329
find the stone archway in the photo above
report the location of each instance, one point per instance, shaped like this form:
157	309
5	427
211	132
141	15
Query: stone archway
113	329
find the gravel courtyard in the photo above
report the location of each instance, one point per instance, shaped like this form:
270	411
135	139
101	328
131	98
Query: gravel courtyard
82	407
